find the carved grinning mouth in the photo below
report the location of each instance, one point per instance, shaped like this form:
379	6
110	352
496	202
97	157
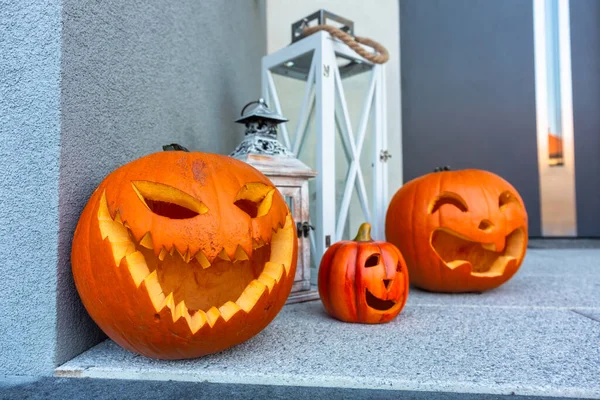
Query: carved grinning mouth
456	250
192	286
377	303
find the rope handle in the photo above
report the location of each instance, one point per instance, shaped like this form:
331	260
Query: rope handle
380	56
259	101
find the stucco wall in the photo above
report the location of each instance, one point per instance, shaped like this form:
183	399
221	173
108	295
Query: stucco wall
29	151
84	88
137	75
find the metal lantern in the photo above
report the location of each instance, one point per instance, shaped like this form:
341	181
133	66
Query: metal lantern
261	149
339	131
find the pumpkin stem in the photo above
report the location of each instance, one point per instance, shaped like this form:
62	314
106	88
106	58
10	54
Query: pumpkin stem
174	147
440	169
364	233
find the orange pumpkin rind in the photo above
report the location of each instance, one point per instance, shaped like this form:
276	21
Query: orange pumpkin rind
208	288
459	231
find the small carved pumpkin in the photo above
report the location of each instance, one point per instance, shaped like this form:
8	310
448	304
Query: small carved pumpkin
178	254
362	280
459	231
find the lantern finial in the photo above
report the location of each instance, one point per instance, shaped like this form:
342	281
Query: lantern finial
261	131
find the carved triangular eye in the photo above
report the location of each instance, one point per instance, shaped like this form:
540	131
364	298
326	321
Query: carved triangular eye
255	199
167	201
448	198
506	198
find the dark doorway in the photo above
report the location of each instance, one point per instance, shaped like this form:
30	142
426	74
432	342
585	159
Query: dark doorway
468	91
585	64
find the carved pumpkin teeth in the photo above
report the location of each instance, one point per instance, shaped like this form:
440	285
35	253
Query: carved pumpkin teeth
103	213
170	303
137	266
250	295
155	291
114	231
181	255
162	254
196	321
228	310
124	247
224	256
281	244
202	260
489	246
257	243
273	270
212	315
240	255
180	311
457	263
186	257
267	280
147	241
271	275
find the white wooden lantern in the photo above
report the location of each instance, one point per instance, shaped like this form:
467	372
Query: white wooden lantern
261	149
324	121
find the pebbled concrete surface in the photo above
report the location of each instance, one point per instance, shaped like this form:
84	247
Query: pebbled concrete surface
445	343
107	389
552	279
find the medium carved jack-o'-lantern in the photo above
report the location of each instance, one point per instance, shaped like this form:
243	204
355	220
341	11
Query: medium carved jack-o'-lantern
178	254
459	231
362	280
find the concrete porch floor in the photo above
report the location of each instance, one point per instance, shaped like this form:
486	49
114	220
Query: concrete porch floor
537	335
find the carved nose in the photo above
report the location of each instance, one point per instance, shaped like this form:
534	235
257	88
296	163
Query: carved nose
387	282
486	225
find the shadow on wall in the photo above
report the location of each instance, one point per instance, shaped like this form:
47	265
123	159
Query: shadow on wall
135	76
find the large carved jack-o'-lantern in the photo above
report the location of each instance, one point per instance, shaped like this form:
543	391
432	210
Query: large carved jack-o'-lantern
179	254
459	231
363	280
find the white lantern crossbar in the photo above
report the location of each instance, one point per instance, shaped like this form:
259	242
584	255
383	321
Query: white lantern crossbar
314	60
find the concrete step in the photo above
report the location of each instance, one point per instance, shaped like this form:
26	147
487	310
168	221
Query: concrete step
113	389
537	335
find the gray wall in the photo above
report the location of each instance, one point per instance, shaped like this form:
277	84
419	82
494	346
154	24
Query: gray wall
29	151
84	88
585	63
137	75
468	94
